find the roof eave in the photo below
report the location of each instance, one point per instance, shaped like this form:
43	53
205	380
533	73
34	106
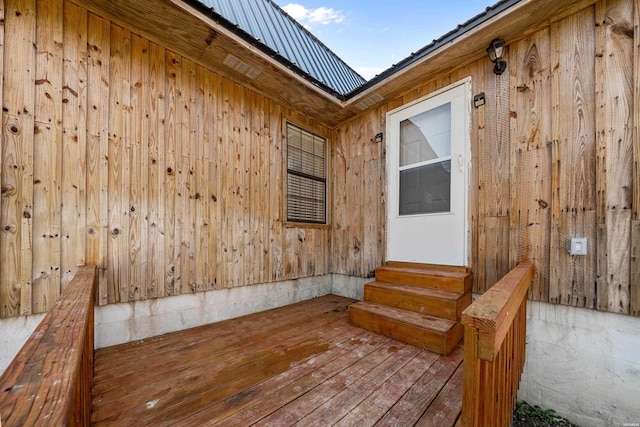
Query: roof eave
511	20
248	38
436	44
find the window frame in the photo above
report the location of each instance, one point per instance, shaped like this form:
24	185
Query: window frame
296	222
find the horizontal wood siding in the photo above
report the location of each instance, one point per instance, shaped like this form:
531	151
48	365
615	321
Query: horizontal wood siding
118	152
553	157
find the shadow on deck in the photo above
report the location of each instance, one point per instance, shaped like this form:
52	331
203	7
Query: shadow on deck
303	363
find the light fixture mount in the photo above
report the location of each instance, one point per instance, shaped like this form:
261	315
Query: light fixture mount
496	52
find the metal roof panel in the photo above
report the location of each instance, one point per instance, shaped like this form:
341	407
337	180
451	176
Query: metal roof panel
266	22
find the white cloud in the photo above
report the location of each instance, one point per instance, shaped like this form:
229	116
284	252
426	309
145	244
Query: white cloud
297	11
325	15
309	17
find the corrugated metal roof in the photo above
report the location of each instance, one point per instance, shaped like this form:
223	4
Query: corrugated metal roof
268	24
264	24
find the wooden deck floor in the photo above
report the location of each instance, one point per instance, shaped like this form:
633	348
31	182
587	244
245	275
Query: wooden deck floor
302	364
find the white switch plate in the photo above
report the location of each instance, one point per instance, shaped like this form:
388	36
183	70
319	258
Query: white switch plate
578	246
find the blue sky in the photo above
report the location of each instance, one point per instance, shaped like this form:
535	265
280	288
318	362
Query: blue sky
372	35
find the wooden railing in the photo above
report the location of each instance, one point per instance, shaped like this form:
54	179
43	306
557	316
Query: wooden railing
49	382
495	327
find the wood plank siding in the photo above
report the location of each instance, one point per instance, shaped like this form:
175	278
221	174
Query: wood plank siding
554	157
127	145
119	152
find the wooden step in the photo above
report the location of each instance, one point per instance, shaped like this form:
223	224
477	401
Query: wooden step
434	334
433	302
421	266
433	278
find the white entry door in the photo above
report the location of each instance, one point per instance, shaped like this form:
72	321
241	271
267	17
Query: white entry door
427	166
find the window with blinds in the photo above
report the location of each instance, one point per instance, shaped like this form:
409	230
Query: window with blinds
306	176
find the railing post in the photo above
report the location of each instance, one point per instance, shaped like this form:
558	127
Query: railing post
470	379
494	350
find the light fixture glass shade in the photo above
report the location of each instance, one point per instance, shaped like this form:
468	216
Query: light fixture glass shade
495	50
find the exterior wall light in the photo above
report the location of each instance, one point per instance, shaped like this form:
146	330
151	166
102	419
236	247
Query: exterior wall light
495	52
478	100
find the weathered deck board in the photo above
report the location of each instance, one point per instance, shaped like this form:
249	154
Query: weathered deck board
303	363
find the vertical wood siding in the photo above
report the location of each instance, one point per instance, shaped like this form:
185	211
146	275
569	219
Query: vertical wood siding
635	181
118	152
359	209
553	157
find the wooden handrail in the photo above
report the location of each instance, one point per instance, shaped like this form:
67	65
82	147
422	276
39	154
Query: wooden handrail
494	350
49	381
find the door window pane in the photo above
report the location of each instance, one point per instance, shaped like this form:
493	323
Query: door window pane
426	189
426	136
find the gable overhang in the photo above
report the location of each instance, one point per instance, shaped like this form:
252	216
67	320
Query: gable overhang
208	14
511	20
191	29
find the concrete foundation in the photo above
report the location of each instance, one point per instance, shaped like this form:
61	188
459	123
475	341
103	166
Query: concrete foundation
14	332
348	286
584	364
120	323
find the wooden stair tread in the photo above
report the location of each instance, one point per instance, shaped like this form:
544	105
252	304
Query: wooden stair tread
433	333
418	304
451	281
423	266
425	272
422	321
416	291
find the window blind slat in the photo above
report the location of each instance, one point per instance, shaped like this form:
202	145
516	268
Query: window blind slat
306	176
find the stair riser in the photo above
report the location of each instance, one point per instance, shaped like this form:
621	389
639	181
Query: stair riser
445	309
432	341
425	281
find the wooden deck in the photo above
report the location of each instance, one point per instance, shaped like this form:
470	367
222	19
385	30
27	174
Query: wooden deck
302	364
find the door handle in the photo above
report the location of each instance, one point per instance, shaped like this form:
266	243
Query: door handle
461	162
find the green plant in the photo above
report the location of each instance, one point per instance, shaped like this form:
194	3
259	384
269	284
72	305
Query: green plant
524	411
